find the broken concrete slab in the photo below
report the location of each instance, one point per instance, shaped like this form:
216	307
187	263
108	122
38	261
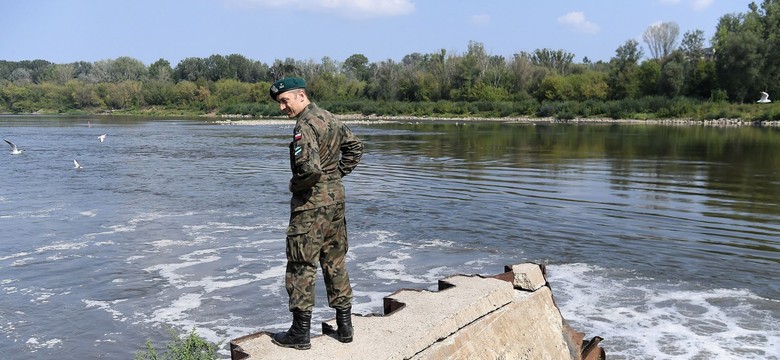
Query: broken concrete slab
470	317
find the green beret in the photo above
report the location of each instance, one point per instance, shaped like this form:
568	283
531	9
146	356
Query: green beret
286	84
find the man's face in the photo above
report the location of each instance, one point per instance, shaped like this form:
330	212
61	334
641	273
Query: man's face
291	102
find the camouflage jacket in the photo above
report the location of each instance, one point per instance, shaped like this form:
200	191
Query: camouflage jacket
323	150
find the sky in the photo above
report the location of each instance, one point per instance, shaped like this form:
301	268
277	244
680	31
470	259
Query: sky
65	31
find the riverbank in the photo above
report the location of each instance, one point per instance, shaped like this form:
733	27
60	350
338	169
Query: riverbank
236	119
375	119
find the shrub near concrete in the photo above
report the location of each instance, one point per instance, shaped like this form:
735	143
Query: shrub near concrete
191	347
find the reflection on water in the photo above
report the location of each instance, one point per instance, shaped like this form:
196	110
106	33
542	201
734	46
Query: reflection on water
675	201
181	223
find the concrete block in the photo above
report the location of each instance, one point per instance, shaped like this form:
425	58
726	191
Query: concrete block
528	277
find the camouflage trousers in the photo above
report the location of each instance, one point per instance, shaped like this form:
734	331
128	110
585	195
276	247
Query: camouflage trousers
317	236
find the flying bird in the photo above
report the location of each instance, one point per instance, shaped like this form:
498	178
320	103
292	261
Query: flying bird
102	137
14	150
764	98
76	164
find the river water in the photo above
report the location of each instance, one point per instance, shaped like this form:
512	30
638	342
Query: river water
663	240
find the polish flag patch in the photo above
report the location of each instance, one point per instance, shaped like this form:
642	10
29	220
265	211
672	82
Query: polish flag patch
297	136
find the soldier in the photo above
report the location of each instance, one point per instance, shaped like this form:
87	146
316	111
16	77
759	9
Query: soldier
322	151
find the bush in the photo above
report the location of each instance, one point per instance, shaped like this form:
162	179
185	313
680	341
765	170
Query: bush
546	110
192	347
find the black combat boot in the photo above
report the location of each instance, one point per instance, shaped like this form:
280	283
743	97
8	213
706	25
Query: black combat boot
344	322
298	335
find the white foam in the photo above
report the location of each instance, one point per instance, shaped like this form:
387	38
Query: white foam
107	306
43	213
643	318
43	297
375	304
380	237
16	255
36	345
480	262
437	243
61	246
176	311
22	261
213	283
89	213
392	269
167	243
221	227
168	271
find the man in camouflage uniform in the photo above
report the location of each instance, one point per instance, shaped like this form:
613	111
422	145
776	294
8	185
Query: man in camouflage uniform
322	151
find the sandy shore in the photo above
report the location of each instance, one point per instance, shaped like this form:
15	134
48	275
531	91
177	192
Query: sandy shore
373	119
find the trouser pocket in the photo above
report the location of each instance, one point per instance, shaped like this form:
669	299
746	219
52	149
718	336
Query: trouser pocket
301	240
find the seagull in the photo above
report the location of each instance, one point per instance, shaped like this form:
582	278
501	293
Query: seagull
76	164
14	150
102	137
764	98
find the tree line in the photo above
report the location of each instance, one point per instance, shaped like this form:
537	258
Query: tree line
677	77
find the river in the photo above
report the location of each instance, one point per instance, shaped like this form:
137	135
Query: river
663	240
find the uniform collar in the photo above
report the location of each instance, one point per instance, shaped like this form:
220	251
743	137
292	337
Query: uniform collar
306	110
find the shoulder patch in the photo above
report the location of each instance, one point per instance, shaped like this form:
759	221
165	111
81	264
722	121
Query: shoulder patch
297	136
298	150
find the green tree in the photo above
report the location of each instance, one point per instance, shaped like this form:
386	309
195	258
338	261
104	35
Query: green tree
126	69
672	79
83	95
158	92
231	91
185	93
739	63
523	74
21	76
356	67
241	69
557	61
161	70
441	66
60	73
692	45
648	76
623	80
469	70
281	69
770	16
384	84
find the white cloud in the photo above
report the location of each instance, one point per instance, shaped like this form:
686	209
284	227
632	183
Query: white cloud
480	19
696	5
699	5
577	21
358	9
